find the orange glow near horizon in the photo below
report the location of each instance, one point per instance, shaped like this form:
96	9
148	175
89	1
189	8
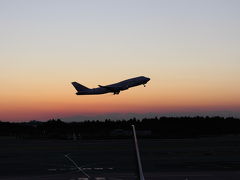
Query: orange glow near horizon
65	103
191	55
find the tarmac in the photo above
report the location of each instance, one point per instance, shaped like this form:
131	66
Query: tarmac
214	175
216	158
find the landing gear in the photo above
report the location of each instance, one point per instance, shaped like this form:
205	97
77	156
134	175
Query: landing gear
116	92
144	85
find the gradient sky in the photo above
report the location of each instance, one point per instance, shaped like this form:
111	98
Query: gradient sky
189	49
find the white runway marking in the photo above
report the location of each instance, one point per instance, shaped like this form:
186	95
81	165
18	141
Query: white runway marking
98	168
87	168
82	179
100	178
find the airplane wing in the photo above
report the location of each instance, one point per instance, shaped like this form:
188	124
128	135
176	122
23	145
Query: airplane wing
110	88
114	89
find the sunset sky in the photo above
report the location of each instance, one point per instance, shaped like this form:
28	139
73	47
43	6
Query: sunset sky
189	49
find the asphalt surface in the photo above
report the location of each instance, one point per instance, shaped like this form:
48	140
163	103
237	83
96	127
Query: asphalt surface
216	158
234	175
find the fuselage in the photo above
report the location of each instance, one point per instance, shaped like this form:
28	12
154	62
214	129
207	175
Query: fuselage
114	88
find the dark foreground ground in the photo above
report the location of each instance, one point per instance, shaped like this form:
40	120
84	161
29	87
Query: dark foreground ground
165	159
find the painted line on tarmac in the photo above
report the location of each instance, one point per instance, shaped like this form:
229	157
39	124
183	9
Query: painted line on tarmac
71	169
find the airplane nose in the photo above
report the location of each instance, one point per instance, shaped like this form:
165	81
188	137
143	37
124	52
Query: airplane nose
148	79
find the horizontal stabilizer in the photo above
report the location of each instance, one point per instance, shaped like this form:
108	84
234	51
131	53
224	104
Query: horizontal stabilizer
79	87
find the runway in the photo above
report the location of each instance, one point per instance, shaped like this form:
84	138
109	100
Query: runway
213	175
163	159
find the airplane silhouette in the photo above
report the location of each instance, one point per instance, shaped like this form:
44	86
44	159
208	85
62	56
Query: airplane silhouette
112	88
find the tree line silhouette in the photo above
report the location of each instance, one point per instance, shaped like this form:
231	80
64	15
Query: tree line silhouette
163	127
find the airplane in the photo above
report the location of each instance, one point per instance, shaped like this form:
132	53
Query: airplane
112	88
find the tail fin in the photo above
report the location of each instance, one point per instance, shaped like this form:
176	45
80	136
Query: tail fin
79	87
